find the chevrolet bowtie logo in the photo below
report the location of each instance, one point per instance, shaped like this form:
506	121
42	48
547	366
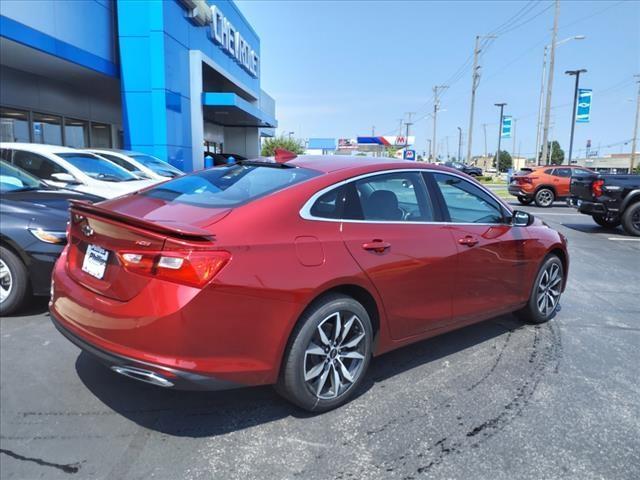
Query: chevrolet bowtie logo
87	230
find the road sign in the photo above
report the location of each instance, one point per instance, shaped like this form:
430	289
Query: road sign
409	154
583	112
506	127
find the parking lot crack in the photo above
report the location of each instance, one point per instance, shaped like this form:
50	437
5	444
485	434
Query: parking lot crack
67	468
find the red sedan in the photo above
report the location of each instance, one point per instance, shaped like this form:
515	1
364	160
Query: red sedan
295	273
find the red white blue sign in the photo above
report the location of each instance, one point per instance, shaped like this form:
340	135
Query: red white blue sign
410	155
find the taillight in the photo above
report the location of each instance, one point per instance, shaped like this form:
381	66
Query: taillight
596	188
195	268
528	180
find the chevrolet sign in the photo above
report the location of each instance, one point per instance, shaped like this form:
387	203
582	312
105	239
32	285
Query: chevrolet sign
223	33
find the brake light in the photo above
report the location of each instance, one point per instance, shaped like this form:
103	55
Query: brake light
193	267
528	180
596	188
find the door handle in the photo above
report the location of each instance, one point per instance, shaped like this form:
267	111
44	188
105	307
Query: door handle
469	241
377	246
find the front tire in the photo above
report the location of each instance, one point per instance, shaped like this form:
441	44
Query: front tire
328	354
631	219
545	293
13	282
524	200
545	198
606	222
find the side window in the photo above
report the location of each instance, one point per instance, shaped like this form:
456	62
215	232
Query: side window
329	205
467	203
579	172
35	164
562	172
549	171
118	161
396	197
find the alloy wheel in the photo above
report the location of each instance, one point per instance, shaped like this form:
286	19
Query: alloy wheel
548	293
545	197
635	219
6	281
335	355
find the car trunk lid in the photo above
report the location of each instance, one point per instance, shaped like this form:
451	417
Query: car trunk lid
98	236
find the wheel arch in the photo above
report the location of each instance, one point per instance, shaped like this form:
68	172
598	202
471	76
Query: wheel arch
562	255
550	187
632	197
9	244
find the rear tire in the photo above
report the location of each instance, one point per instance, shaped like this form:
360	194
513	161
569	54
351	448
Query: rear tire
545	198
14	284
606	222
631	219
545	292
525	200
324	363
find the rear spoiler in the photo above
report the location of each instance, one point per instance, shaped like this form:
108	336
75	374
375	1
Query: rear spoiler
166	227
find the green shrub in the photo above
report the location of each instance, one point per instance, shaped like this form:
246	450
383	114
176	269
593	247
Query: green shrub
270	144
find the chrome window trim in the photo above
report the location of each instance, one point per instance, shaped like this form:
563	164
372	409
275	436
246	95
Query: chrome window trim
305	211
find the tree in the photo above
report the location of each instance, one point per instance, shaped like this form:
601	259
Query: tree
556	154
270	144
505	160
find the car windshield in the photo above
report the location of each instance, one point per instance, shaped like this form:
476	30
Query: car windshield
98	168
13	179
157	165
228	186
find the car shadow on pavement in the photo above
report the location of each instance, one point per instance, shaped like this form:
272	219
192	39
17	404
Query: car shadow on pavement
205	414
589	228
35	306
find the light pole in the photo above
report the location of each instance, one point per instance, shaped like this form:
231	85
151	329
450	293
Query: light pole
540	100
459	145
501	105
436	105
552	58
429	149
635	131
576	73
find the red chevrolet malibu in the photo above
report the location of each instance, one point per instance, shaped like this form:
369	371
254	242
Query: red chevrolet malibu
295	273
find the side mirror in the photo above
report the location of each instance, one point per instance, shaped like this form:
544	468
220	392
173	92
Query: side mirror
521	219
64	178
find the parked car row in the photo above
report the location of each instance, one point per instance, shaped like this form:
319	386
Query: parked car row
36	184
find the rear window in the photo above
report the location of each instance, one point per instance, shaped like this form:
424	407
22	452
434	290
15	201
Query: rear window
228	186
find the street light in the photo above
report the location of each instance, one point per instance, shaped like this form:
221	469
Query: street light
459	144
576	73
501	105
544	72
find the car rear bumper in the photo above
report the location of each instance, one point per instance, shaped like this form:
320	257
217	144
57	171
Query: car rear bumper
144	371
586	207
518	192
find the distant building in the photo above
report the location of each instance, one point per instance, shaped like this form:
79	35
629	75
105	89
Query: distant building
614	163
321	146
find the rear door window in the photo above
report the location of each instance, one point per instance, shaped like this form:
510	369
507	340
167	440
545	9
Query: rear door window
228	186
395	196
562	172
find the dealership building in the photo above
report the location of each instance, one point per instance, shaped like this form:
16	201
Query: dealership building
172	78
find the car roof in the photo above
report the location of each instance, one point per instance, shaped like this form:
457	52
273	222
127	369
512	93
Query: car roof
39	147
333	163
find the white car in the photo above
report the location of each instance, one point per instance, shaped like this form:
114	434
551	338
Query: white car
73	169
140	164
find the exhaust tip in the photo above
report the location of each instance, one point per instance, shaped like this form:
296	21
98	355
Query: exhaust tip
142	375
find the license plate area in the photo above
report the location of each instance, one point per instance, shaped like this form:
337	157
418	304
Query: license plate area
95	261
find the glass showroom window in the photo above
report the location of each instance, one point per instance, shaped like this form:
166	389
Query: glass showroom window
100	135
47	129
14	125
76	133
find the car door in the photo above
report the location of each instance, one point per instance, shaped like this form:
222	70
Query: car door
38	165
562	181
388	226
492	267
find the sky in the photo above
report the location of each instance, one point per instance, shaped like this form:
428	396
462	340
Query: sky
344	68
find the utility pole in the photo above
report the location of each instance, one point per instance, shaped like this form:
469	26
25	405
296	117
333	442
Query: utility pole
484	127
635	131
539	123
552	59
575	105
436	105
501	105
459	144
475	81
373	131
429	149
408	124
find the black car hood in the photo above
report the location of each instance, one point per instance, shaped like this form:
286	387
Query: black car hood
30	200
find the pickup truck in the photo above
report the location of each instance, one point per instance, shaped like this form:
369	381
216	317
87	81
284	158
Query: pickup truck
610	199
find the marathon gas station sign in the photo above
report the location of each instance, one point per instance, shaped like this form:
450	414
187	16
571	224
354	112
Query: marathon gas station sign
387	140
223	33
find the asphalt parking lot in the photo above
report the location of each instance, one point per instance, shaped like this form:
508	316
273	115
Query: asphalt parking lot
497	400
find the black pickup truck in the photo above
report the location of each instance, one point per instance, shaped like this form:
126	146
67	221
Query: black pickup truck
610	199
